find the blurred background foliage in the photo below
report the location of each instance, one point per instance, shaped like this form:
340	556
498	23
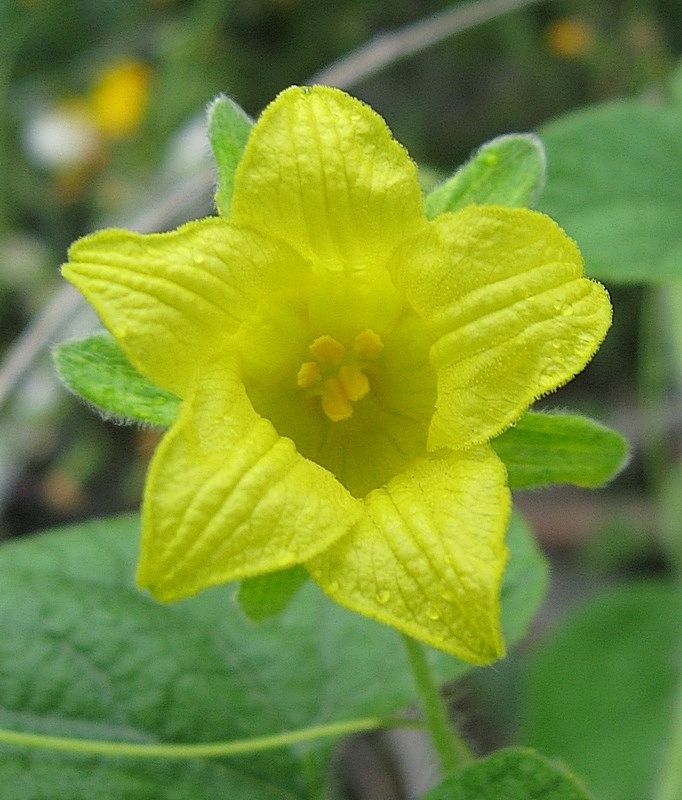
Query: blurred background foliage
101	113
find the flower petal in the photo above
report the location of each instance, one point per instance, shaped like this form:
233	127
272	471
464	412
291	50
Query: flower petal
173	299
322	172
511	315
429	554
228	498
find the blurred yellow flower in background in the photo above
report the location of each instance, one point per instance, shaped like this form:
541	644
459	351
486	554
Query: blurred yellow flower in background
119	99
72	136
570	37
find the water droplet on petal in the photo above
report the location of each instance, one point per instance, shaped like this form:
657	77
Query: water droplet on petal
567	310
432	612
383	596
198	258
552	371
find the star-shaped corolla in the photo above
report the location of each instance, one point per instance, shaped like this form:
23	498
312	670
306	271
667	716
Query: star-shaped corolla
343	364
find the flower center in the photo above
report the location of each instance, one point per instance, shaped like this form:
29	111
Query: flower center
337	375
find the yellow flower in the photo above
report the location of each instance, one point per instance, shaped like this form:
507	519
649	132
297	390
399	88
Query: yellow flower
119	99
570	37
343	363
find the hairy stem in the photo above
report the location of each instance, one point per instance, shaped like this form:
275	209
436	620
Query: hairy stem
451	749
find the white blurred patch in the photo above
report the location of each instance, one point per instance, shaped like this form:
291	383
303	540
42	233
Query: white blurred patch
189	149
62	139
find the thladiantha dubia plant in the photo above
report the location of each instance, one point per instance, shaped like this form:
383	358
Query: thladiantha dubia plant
345	368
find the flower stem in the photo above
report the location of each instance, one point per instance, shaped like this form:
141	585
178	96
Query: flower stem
669	778
199	749
452	750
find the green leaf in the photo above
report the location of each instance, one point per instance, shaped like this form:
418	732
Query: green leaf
514	773
613	184
507	171
84	654
602	691
229	127
26	775
266	595
560	448
97	370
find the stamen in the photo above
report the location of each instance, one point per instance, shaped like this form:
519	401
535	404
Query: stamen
339	381
308	375
335	403
368	344
328	350
354	383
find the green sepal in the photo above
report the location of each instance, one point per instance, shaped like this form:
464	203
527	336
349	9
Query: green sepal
507	171
229	127
266	595
514	773
97	370
560	448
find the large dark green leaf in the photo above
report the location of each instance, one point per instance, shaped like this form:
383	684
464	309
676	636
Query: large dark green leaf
512	774
602	690
84	654
614	183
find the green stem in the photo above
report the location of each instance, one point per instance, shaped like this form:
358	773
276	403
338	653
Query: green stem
653	376
669	785
199	750
452	750
658	313
670	777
